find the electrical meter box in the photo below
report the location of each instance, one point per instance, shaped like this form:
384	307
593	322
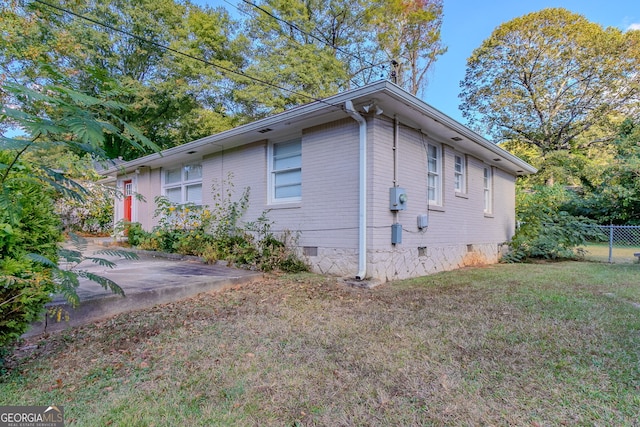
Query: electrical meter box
397	199
396	234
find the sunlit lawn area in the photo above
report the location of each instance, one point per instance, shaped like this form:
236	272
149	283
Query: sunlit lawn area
532	344
619	254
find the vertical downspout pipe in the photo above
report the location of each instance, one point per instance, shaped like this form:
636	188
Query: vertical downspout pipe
362	225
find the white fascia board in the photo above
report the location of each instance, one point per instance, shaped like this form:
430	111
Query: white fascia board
457	127
333	103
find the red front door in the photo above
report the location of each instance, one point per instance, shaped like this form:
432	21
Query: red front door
128	191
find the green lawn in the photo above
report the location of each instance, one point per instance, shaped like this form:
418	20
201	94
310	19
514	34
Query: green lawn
619	254
532	344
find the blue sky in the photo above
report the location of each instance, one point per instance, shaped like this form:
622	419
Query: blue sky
467	23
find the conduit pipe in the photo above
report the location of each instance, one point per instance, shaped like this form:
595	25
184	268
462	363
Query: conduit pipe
396	132
362	224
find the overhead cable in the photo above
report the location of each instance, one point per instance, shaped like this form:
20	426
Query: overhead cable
177	52
297	28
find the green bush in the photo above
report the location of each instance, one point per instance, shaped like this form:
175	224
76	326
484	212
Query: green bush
53	115
135	233
545	230
28	226
216	233
91	215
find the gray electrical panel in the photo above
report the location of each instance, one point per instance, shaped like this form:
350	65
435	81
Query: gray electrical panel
396	234
423	221
397	199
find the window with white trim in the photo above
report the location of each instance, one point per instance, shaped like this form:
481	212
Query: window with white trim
183	184
128	189
460	173
285	170
434	175
487	184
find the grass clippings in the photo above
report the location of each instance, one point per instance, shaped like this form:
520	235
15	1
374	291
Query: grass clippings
543	344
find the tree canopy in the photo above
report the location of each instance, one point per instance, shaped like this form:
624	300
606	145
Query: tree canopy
189	71
547	78
318	47
174	99
408	32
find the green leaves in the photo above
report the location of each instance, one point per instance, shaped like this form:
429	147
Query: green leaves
13	144
547	78
546	230
54	116
408	31
85	130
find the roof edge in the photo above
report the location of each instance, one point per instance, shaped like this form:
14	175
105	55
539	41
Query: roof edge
441	117
335	102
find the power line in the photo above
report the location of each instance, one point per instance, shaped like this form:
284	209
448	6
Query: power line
295	27
292	25
292	39
187	55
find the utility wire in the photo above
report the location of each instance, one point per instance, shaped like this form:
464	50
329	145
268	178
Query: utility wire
295	27
292	38
187	55
287	23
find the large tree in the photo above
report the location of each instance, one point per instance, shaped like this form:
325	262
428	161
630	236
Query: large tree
547	78
315	48
305	48
284	53
175	99
408	32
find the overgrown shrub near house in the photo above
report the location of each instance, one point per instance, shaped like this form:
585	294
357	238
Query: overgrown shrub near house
92	215
545	229
28	226
216	233
51	114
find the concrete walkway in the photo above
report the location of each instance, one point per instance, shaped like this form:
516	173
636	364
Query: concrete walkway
147	281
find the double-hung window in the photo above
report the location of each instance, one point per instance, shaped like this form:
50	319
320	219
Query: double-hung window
434	174
487	184
183	184
459	170
286	171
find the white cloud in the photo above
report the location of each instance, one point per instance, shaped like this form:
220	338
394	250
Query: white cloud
634	26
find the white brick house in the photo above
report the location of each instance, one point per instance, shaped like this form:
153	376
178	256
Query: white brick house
328	170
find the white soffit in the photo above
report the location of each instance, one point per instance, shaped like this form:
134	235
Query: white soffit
390	97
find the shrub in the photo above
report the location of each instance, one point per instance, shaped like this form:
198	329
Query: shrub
545	230
51	115
135	234
29	226
216	233
91	215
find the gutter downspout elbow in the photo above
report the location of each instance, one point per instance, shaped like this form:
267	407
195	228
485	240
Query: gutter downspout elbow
362	224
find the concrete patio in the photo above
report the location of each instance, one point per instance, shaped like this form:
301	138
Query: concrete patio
151	279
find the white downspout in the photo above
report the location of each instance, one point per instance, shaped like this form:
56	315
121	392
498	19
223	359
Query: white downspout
362	230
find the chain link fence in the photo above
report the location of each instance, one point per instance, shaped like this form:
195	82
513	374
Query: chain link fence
615	244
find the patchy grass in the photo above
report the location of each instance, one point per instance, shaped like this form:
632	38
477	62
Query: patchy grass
536	344
619	254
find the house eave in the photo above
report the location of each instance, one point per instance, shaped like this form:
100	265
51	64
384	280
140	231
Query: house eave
391	97
490	152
